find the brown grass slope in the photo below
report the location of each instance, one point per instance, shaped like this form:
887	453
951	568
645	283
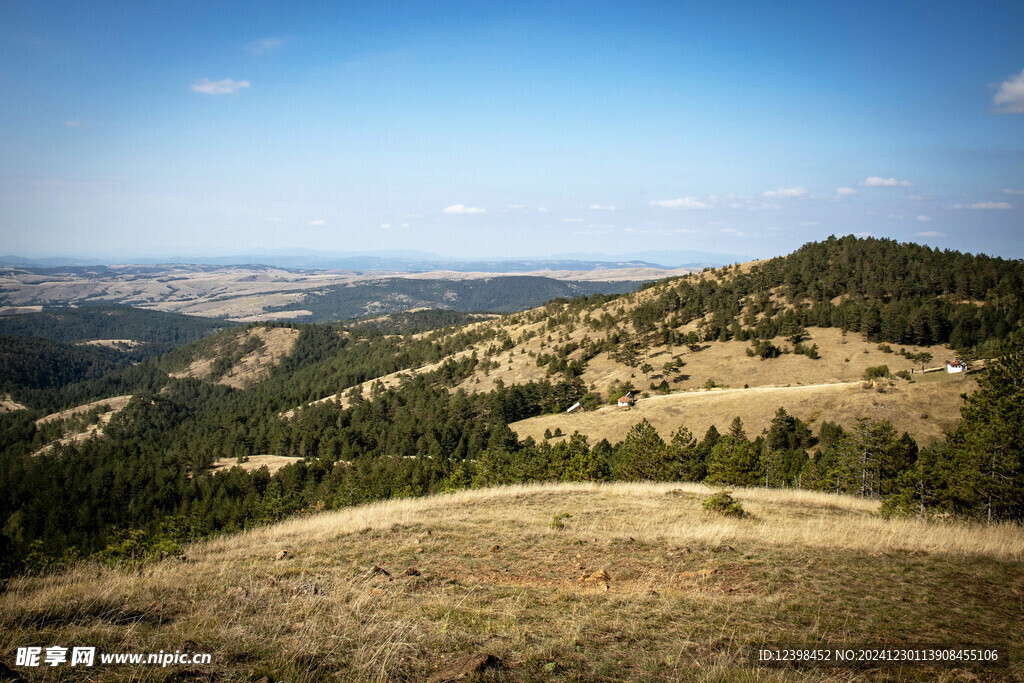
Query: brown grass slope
275	343
924	409
639	583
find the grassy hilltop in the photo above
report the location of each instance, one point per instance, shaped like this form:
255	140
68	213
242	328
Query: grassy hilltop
559	582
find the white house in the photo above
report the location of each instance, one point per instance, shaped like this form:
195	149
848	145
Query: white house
956	365
627	400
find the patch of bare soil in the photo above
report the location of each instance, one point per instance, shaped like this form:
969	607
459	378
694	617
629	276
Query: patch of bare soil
272	462
7	404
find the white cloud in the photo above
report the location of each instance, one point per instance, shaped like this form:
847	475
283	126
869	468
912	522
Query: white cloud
572	220
878	181
1009	99
930	233
385	226
74	124
224	87
1012	191
732	231
404	225
542	210
264	45
682	203
318	222
786	193
923	218
273	219
863	234
598	207
845	191
464	210
985	206
922	197
895	217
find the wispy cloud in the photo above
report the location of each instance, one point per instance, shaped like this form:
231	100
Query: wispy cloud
731	231
922	197
74	124
926	219
264	45
863	234
318	222
786	193
273	219
1013	192
572	220
541	210
681	203
224	87
878	181
845	191
385	226
599	207
810	224
1009	99
930	233
463	210
985	206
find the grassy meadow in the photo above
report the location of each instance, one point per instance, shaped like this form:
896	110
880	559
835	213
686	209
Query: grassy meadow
559	582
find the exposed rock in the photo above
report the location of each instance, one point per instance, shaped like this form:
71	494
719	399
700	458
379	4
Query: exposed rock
465	667
377	570
281	554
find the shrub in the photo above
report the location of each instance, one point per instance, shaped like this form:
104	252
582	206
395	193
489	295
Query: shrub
723	503
876	372
558	521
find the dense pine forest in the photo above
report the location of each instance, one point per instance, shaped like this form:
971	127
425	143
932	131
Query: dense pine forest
144	487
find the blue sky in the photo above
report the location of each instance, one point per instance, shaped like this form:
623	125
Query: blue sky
491	129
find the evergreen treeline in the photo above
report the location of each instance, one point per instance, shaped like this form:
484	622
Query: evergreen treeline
160	330
887	291
29	365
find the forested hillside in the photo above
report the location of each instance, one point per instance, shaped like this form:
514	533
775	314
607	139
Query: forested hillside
498	294
160	331
429	411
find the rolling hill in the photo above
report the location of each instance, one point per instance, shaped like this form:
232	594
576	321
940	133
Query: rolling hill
780	371
563	582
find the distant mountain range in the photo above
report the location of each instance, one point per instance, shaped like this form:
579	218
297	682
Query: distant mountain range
405	261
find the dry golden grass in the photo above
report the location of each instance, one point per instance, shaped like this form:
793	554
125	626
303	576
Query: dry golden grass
277	342
640	584
923	409
272	462
115	403
8	404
